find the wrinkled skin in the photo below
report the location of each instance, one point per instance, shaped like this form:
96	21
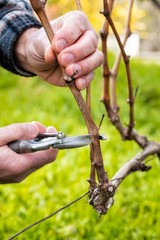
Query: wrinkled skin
75	41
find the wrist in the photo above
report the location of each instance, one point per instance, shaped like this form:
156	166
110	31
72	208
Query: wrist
20	49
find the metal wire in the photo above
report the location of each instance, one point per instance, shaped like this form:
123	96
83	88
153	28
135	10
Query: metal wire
43	219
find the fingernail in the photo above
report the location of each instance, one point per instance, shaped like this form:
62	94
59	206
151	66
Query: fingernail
51	129
82	83
60	44
67	58
76	67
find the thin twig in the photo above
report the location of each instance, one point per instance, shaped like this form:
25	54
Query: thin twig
103	115
106	71
79	6
91	179
88	90
106	13
51	215
118	58
88	97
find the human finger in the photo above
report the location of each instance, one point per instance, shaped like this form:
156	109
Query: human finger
49	55
43	128
84	46
40	126
72	26
86	65
17	131
51	129
83	82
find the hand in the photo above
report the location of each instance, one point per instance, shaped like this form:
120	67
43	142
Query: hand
15	167
75	42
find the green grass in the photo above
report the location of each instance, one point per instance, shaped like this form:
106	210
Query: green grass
135	213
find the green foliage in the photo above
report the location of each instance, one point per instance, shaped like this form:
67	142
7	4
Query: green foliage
135	214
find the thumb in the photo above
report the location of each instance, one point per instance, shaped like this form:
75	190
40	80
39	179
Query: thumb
17	131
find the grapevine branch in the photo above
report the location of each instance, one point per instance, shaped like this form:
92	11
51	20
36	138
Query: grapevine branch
88	90
114	109
79	6
106	13
101	196
114	71
136	163
129	133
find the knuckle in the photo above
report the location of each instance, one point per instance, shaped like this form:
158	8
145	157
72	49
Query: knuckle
18	129
79	19
93	39
81	16
84	17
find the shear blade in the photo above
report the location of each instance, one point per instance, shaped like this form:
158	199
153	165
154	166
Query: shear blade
71	144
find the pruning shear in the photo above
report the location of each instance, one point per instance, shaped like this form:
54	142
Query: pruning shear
55	140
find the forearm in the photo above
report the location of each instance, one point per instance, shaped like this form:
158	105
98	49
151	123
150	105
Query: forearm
15	18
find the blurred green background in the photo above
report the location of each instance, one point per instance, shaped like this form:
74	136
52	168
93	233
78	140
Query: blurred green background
135	213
